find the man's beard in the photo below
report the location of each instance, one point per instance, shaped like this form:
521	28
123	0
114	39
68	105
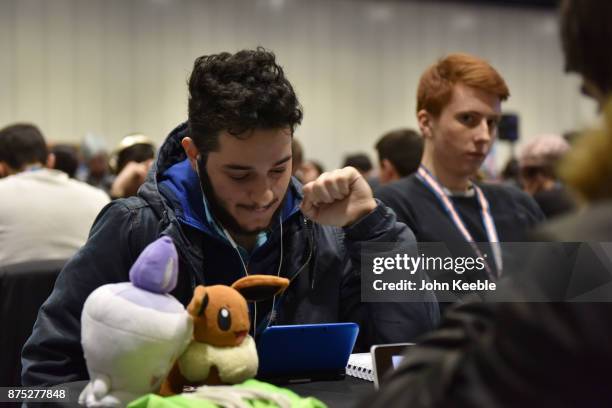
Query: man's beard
221	214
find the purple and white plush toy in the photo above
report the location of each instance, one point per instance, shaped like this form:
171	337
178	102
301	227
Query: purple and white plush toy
132	332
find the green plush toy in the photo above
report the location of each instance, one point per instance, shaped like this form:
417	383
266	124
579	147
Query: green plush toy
250	394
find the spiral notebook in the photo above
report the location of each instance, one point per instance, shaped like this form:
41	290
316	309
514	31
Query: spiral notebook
360	366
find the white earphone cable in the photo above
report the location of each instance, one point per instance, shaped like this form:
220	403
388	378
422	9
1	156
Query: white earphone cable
280	263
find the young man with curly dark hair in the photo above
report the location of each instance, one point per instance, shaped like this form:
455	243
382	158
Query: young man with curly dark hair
221	188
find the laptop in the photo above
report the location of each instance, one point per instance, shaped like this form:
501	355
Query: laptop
309	352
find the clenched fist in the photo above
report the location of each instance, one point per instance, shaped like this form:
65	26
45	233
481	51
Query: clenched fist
339	197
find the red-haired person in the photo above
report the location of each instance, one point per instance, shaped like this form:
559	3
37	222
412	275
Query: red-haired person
537	354
458	109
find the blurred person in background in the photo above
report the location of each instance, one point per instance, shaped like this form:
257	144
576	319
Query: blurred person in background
361	162
95	170
586	33
399	154
571	136
131	161
511	173
538	163
536	354
43	213
66	159
311	170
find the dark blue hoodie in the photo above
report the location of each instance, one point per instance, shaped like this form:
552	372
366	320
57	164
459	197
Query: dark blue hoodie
322	263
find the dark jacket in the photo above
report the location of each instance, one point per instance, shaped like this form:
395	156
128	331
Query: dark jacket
514	211
322	262
540	354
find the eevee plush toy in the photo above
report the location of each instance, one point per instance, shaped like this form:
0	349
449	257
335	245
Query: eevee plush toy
222	351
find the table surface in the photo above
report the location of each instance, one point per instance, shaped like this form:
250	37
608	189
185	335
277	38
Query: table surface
339	393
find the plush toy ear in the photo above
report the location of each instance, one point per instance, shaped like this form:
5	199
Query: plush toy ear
198	303
156	268
260	287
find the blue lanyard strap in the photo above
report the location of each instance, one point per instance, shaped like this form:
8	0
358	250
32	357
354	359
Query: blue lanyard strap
434	186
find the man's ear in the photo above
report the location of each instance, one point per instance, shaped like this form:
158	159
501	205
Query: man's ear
191	150
425	120
50	161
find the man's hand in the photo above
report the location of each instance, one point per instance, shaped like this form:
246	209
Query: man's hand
339	197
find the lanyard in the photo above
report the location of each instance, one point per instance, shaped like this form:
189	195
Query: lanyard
432	184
